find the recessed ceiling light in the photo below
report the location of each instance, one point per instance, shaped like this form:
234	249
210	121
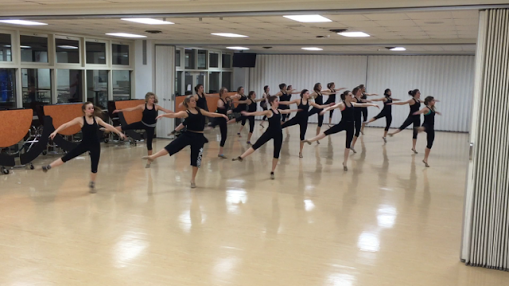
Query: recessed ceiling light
25	47
7	46
238	48
308	18
148	21
354	34
229	35
23	22
125	35
312	49
68	47
397	49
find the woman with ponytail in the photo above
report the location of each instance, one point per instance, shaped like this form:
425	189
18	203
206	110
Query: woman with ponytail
429	125
386	111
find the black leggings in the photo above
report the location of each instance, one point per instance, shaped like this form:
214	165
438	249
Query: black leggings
364	114
358	125
94	148
347	126
315	110
416	120
223	128
284	116
266	136
241	118
430	131
388	119
302	121
264	107
149	131
251	123
195	140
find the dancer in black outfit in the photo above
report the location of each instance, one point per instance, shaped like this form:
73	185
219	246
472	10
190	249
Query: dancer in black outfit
274	131
250	104
148	121
90	139
242	106
285	95
263	103
429	125
301	117
346	124
386	111
318	97
195	118
223	105
358	111
201	102
332	98
364	110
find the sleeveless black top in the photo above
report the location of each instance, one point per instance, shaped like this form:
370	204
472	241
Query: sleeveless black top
284	97
89	131
305	109
387	108
224	109
242	106
149	116
429	118
319	98
252	106
357	111
347	114
415	107
195	122
332	96
202	102
275	122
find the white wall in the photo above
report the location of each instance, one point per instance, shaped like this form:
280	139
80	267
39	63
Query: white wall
241	78
144	77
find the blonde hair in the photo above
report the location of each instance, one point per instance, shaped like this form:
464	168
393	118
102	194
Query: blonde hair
149	94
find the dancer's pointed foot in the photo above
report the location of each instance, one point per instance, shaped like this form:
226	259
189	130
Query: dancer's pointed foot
425	164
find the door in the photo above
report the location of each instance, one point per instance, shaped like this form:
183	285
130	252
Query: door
192	79
165	86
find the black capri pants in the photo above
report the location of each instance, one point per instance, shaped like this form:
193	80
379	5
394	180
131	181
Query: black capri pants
150	131
430	135
94	148
276	136
364	111
388	119
195	140
347	126
358	124
315	110
223	128
302	121
284	116
416	120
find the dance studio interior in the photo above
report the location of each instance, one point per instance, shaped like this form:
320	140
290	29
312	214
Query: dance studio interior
235	142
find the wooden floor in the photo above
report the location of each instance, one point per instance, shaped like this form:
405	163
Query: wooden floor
387	221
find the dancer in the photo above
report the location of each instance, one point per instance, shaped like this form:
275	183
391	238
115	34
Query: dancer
386	111
195	118
242	106
263	103
346	124
250	102
90	139
148	121
364	110
201	102
358	111
274	131
429	125
285	95
415	104
223	108
332	98
318	97
301	117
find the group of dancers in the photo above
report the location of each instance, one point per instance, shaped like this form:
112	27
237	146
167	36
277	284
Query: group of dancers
275	109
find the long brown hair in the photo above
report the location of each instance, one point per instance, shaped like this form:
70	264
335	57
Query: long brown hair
187	100
148	95
427	101
97	110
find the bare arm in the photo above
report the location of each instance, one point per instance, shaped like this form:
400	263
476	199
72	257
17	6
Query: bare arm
424	110
212	114
75	121
180	114
212	95
401	102
378	99
371	94
364	105
287	111
289	102
312	103
337	105
163	109
109	127
141	106
257	113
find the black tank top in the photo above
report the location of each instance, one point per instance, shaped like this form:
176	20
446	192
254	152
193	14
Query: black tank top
387	107
365	97
252	106
224	109
202	102
357	110
304	109
242	106
149	116
429	118
347	114
195	122
332	96
275	122
319	98
415	107
89	131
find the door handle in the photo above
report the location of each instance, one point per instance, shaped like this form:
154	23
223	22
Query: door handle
471	151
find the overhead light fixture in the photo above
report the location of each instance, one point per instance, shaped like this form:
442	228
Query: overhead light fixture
308	18
7	46
125	35
229	35
148	21
238	48
23	22
312	49
354	34
25	47
397	49
68	47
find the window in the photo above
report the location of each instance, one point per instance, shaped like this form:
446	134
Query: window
178	83
227	61
97	87
5	48
214	60
227	80
202	59
36	84
69	86
214	82
121	85
177	58
7	88
189	56
96	53
120	54
188	83
34	49
68	51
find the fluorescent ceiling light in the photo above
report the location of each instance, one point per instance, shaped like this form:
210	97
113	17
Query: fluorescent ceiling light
229	35
313	49
238	48
354	34
148	21
397	49
7	46
23	22
308	18
25	47
125	35
68	47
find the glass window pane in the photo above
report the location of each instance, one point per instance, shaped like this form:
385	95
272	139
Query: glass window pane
214	82
96	53
68	51
69	86
36	84
178	84
34	49
177	58
97	87
7	88
201	78
214	60
188	83
5	48
120	54
202	59
227	80
189	55
227	61
121	85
